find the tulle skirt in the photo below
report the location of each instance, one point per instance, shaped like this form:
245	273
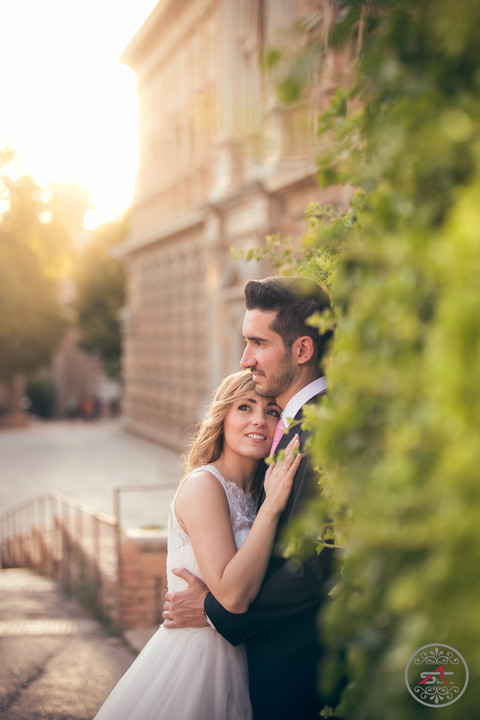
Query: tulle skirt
187	674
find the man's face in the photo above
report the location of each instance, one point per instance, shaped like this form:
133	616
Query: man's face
270	362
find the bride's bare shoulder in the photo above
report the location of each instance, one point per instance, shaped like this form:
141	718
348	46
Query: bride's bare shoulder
201	497
199	484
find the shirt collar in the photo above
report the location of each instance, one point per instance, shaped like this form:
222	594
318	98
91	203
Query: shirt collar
301	397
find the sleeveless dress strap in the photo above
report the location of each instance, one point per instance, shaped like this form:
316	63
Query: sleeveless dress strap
210	468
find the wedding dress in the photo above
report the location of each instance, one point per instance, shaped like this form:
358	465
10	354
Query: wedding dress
190	673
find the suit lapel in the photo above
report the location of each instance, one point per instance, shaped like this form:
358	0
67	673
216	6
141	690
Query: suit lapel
294	427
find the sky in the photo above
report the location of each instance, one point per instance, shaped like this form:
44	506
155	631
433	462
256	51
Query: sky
67	104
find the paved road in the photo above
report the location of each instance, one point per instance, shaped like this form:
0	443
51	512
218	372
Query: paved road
56	662
86	460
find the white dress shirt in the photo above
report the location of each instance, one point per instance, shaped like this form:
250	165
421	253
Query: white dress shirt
301	397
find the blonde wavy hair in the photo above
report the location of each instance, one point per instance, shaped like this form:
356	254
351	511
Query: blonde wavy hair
207	443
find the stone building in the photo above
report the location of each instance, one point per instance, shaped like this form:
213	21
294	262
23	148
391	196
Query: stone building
222	164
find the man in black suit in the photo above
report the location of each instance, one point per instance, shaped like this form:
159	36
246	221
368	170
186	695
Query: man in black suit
285	356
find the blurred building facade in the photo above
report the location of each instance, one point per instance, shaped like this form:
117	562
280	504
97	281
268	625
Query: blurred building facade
222	164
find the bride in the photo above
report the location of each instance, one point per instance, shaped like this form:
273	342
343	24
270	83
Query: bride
215	532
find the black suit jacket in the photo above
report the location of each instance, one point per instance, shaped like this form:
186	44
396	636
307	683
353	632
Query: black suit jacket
280	626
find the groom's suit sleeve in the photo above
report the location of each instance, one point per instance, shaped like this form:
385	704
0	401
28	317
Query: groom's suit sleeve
290	587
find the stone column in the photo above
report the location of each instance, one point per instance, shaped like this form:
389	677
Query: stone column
228	148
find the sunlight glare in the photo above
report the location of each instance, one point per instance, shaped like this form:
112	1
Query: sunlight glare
68	106
96	216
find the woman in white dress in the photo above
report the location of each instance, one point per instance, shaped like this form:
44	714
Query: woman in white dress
216	533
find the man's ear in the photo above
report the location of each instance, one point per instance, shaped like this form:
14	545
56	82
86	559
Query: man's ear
303	349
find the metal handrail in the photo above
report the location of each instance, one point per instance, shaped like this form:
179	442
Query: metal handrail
84	508
58	523
50	533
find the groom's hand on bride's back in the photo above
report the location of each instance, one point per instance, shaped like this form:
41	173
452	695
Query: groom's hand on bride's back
185	609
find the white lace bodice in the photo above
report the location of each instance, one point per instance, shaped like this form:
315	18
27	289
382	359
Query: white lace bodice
180	552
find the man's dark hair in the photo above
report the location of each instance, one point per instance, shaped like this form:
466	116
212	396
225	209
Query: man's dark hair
295	299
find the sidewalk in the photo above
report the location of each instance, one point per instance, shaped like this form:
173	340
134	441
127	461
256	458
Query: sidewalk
86	461
56	662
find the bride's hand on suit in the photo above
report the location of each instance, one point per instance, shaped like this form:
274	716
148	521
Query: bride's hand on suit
279	477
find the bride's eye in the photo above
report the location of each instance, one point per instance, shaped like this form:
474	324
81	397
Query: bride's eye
244	406
274	413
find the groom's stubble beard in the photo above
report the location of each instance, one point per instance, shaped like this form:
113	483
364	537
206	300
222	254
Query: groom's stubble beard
276	384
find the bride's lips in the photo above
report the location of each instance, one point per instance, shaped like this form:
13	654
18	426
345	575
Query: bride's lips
257	437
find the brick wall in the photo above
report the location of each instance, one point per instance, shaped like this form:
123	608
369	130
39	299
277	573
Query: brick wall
143	577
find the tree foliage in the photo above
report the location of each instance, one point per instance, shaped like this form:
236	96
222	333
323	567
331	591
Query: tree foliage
34	251
100	283
397	440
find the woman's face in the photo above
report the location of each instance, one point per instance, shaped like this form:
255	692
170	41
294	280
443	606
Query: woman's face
249	426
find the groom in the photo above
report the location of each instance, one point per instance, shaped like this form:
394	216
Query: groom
285	356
